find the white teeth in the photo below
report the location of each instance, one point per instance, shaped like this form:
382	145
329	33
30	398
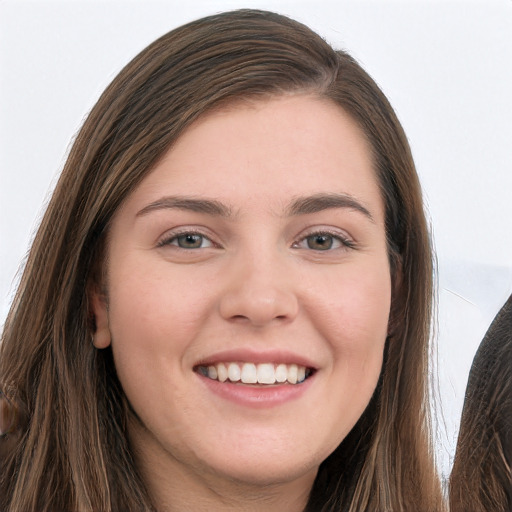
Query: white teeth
233	372
212	372
222	372
250	373
281	373
266	374
292	374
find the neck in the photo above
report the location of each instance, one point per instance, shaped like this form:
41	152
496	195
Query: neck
210	495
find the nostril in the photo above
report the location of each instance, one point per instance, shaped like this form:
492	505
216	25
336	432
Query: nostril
239	318
258	306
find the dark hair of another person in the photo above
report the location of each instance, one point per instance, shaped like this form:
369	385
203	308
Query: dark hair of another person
481	479
68	448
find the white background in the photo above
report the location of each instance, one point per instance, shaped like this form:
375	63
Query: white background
446	67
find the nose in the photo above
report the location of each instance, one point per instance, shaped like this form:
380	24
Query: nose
259	293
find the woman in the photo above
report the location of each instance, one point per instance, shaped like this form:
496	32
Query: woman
227	305
481	479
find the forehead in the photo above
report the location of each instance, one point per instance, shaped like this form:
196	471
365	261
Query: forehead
266	153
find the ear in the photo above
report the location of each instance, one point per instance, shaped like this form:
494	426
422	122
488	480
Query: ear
99	312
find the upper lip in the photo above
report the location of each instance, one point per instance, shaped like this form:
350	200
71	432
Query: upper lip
247	355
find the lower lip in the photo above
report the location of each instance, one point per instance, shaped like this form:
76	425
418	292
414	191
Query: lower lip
257	396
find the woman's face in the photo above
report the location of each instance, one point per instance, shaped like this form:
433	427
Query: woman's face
255	250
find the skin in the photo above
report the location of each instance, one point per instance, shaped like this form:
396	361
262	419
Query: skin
259	281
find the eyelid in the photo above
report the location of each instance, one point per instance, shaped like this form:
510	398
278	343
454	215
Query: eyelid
346	240
169	236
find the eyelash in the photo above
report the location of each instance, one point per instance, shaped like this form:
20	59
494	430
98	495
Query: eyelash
175	236
344	241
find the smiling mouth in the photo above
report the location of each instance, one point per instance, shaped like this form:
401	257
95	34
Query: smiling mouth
250	373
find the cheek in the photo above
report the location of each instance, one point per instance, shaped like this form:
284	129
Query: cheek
157	307
366	314
354	310
355	324
154	318
360	326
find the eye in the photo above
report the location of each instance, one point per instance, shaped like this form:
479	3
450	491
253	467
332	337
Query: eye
324	241
187	240
320	242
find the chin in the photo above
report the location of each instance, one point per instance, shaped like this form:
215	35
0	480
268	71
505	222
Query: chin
267	473
263	464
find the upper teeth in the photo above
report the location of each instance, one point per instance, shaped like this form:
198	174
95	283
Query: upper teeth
250	373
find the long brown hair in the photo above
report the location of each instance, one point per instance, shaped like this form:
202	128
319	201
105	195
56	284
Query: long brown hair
481	478
72	451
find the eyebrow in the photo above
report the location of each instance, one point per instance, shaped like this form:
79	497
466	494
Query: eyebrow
319	202
299	206
208	206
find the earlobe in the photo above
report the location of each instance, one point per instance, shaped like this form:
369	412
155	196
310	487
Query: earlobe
101	329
